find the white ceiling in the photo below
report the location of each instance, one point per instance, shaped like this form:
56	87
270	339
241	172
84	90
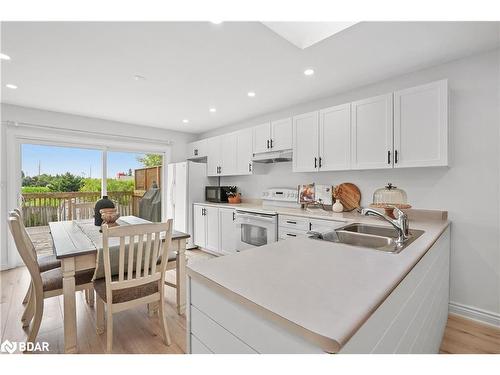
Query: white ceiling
88	68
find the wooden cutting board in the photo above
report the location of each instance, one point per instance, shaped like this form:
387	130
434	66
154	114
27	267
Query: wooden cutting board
349	195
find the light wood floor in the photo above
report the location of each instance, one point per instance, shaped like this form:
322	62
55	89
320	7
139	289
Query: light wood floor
136	332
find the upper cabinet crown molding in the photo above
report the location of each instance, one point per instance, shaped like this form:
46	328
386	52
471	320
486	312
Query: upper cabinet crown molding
421	126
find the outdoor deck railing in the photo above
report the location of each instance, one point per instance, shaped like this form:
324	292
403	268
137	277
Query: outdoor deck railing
41	208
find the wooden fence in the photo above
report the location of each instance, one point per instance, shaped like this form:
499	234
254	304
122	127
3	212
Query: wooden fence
41	208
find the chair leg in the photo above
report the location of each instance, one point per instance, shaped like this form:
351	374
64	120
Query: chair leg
109	329
29	311
28	294
89	296
37	319
100	316
163	321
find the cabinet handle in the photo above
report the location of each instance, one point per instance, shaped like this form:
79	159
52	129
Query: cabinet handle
291	222
271	143
310	226
395	156
195	152
388	157
234	216
202	212
315	162
249	167
320	161
268	143
291	235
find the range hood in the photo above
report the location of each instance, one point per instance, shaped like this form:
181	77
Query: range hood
273	157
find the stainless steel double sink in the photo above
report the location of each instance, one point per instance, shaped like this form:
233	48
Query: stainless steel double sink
371	236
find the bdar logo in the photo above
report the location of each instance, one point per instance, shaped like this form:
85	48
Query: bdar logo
8	347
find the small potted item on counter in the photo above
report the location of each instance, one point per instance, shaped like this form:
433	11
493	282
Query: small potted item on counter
234	198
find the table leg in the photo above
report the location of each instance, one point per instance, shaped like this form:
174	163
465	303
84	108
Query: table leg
68	270
180	275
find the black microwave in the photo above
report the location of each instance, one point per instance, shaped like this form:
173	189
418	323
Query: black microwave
218	194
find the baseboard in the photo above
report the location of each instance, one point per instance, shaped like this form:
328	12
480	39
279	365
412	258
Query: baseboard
483	316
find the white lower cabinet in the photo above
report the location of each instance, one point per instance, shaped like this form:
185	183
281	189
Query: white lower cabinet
295	226
214	229
227	229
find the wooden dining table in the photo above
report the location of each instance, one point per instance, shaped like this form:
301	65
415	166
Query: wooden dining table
78	251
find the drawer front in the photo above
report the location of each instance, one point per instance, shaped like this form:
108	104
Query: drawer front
197	347
325	225
285	233
216	338
293	222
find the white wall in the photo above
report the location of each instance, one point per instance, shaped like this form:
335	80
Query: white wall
468	189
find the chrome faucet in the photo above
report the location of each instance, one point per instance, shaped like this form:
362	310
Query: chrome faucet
401	223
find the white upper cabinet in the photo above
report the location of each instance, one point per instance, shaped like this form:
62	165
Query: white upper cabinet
371	133
305	142
421	126
281	135
244	151
335	138
229	150
214	156
262	138
197	149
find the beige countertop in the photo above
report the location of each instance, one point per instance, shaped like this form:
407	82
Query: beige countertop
320	290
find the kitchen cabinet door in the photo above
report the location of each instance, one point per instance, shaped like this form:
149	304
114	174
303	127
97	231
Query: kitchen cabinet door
227	230
261	138
421	126
212	223
244	152
281	135
199	224
213	156
371	133
305	142
228	155
335	138
197	149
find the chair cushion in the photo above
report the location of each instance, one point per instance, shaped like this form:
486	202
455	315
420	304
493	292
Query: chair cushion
53	279
48	262
126	294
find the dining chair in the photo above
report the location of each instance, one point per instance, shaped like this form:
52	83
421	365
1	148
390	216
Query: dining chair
44	284
45	262
136	279
83	210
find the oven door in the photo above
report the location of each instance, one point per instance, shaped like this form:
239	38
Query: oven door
254	230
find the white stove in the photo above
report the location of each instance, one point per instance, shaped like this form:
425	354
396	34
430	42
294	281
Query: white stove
258	227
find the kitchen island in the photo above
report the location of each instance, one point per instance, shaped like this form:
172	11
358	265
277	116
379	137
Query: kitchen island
303	295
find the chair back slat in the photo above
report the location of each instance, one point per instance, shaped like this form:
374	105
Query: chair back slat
138	262
141	246
147	251
83	210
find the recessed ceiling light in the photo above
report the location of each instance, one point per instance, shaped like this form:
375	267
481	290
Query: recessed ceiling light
3	56
309	72
11	86
213	110
251	94
216	22
138	77
185	121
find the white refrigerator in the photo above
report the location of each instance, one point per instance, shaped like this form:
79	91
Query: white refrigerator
186	183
